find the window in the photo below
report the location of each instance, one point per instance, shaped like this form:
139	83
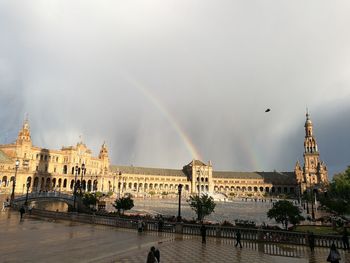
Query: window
65	169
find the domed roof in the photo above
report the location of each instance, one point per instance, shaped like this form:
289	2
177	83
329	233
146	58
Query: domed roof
308	121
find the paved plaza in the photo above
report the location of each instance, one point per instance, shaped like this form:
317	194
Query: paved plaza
45	240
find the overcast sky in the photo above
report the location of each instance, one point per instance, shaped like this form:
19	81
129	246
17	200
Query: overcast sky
145	75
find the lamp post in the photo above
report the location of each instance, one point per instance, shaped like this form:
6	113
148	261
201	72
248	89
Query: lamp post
14	182
179	188
312	205
75	187
307	201
28	185
82	171
199	182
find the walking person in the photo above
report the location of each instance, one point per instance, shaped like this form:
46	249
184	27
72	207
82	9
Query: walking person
334	255
22	211
345	239
157	254
140	226
160	224
238	239
203	230
151	257
311	239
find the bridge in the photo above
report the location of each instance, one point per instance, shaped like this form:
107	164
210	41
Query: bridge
45	196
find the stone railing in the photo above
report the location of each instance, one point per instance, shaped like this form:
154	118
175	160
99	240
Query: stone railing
247	234
44	195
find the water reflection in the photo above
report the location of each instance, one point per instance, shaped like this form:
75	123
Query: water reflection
51	206
229	211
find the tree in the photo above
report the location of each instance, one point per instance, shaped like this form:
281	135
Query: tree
124	203
337	195
90	199
203	206
283	212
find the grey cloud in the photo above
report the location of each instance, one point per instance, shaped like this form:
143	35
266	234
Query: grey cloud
213	67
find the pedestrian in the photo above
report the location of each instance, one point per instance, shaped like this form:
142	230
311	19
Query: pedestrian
151	257
311	239
238	239
157	255
22	211
345	239
3	206
160	224
140	226
203	230
334	255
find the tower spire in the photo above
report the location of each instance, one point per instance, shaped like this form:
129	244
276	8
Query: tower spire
24	133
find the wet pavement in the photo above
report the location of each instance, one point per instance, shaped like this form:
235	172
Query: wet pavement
45	240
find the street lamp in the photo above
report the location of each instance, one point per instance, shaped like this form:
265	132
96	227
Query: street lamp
75	187
199	182
312	205
307	201
28	185
14	182
83	171
179	188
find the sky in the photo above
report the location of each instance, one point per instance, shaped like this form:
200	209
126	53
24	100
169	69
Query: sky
163	82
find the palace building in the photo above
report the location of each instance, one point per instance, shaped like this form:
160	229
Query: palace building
38	169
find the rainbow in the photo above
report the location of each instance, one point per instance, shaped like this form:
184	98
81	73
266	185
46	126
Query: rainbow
172	120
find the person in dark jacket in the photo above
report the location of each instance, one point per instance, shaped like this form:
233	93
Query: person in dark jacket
203	230
157	254
311	239
238	239
334	255
151	257
160	224
22	211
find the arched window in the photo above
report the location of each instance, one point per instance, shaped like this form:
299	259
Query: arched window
47	185
4	181
65	168
36	183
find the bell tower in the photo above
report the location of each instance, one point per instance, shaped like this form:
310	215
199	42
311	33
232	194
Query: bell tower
24	144
23	137
103	156
314	171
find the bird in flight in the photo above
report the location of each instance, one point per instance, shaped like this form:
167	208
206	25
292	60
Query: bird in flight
267	110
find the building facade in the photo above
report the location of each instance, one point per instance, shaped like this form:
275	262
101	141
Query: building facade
42	169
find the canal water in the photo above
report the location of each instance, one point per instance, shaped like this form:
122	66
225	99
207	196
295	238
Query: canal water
229	211
224	211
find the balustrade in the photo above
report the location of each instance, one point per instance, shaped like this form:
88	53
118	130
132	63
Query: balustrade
248	234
